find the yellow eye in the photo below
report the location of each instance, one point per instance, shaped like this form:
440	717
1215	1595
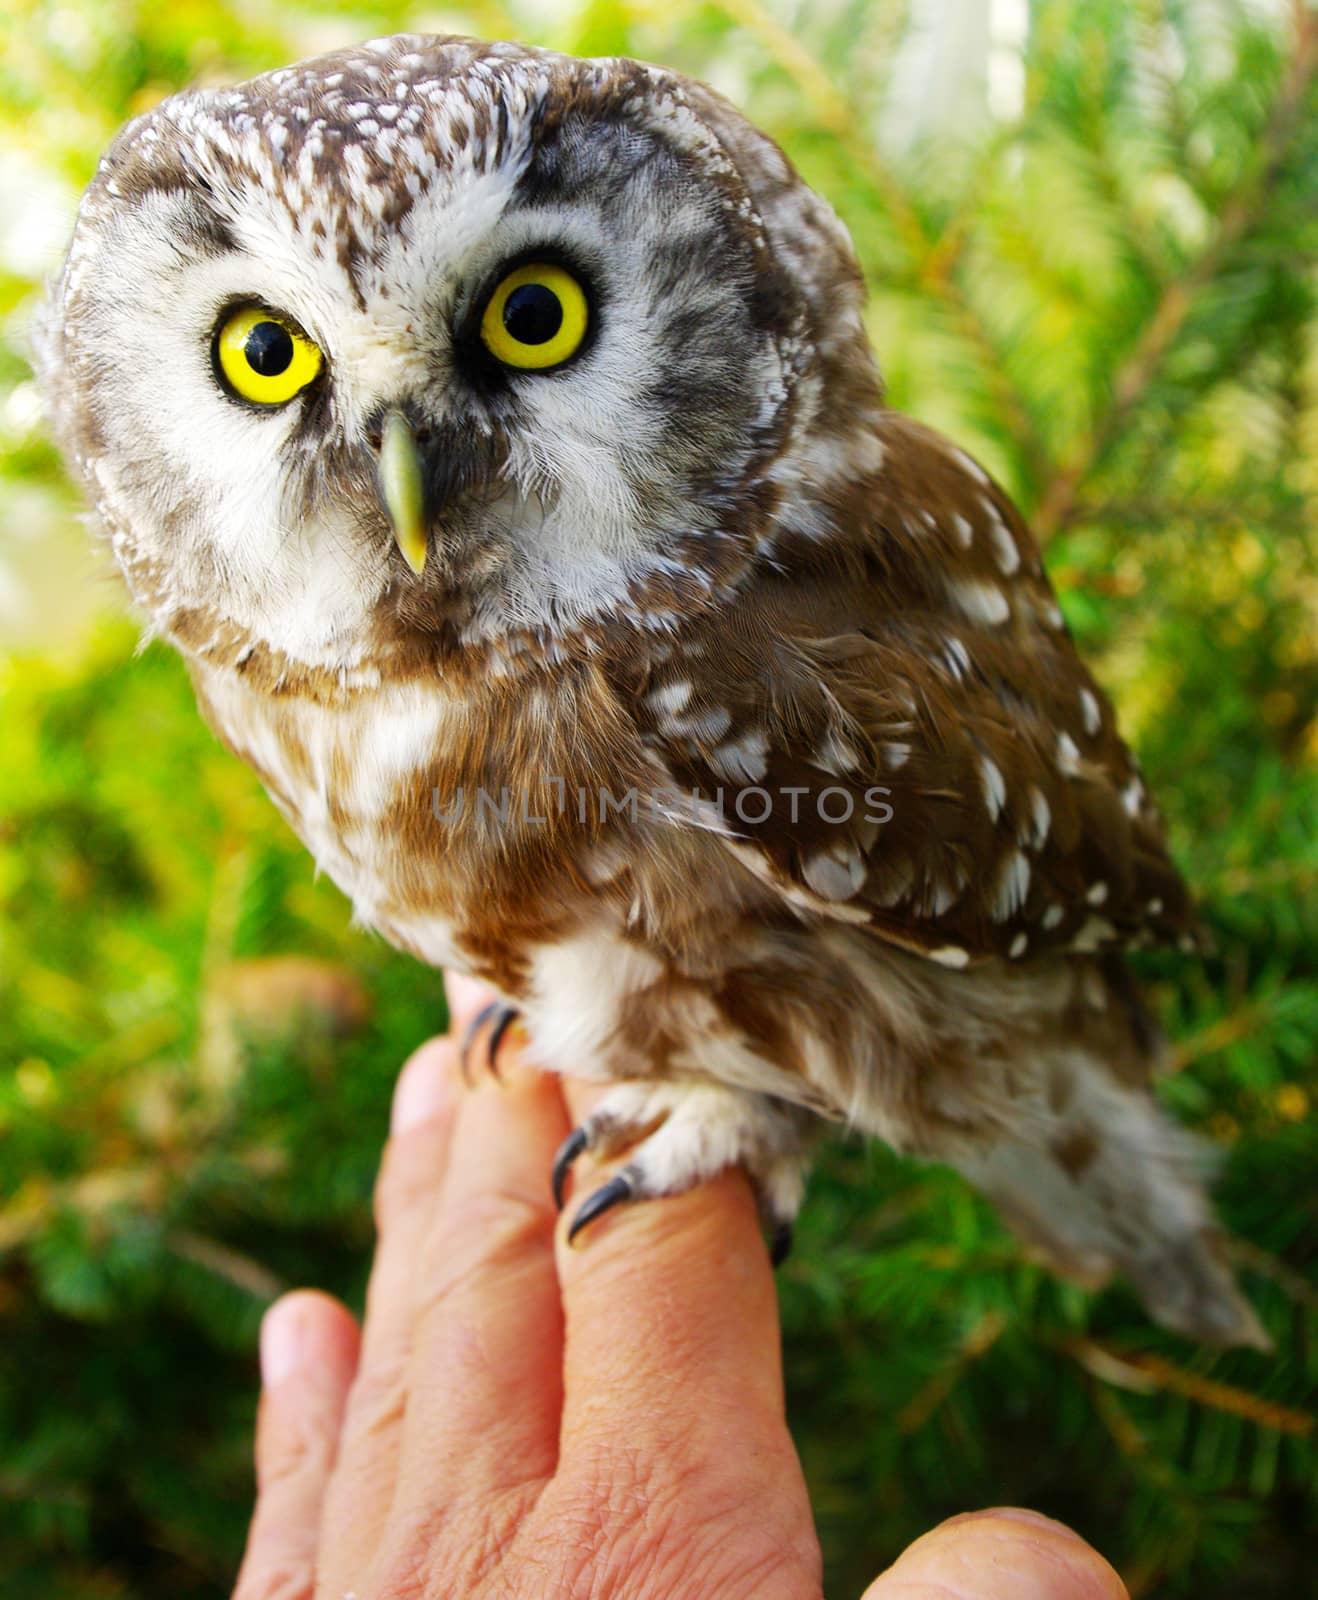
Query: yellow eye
536	318
264	359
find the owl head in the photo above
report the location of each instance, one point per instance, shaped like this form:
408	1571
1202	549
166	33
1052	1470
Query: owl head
434	342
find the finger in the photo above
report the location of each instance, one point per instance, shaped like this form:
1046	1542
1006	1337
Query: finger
671	1321
485	1378
466	996
309	1349
406	1196
1002	1554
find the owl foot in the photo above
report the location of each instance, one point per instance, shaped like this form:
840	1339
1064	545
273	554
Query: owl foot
681	1134
501	1017
780	1244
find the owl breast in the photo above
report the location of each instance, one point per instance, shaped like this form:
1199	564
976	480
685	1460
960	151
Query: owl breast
473	825
355	781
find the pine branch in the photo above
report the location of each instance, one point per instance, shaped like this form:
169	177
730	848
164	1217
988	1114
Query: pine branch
1140	515
1146	1466
1296	1288
1223	1033
977	1342
833	111
933	258
1241	215
1275	875
92	1195
223	1261
1142	1371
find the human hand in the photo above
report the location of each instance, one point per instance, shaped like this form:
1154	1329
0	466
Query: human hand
517	1418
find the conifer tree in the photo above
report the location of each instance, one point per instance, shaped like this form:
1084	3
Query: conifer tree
1099	273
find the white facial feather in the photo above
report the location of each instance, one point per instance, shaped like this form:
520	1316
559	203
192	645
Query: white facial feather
292	182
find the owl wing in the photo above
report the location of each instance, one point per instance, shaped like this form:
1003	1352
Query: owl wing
898	731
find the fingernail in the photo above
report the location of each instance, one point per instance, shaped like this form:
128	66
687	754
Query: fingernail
1033	1519
424	1087
1010	1552
282	1341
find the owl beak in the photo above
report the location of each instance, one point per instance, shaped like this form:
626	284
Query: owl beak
403	489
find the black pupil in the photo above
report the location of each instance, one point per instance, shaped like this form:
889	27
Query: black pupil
269	349
532	313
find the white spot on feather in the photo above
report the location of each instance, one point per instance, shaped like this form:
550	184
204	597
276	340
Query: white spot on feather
941	898
1012	888
1068	756
743	760
756	862
1132	796
950	955
1005	552
1094	932
835	755
703	727
995	787
957	657
971	465
981	602
1092	713
669	699
1041	816
834	874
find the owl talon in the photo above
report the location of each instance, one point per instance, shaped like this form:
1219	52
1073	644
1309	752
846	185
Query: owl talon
780	1244
568	1151
603	1199
502	1016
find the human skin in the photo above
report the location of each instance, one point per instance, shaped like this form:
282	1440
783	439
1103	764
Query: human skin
519	1418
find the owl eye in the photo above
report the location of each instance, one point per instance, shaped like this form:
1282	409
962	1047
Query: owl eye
536	318
264	359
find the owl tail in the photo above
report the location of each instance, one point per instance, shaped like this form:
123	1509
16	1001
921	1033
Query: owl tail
1107	1183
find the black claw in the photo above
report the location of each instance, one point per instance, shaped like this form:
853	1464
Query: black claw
608	1195
469	1037
504	1016
568	1152
505	1019
780	1244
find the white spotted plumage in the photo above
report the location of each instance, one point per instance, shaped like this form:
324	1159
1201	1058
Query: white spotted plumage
730	726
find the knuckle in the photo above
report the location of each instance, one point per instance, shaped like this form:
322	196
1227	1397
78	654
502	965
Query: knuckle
378	1401
623	1485
300	1449
506	1216
405	1568
484	1233
410	1179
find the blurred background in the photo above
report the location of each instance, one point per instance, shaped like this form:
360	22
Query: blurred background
1091	233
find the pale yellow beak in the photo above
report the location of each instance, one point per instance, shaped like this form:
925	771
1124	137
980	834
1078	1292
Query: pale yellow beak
401	484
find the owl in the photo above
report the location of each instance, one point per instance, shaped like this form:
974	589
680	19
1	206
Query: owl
497	437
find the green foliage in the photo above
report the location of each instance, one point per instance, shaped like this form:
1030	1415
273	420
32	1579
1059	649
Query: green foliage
1110	294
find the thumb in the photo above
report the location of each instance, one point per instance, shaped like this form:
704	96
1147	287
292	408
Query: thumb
1002	1554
